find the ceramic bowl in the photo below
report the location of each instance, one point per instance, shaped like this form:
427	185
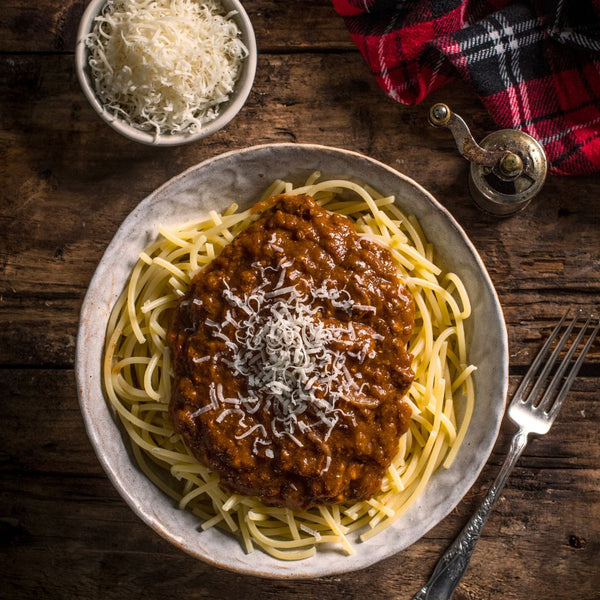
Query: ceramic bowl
242	176
228	110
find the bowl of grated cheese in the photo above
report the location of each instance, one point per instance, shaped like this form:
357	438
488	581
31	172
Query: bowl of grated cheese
166	72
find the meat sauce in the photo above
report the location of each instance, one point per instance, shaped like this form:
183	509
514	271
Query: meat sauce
290	361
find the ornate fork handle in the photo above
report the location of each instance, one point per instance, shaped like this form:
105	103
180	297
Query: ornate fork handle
453	564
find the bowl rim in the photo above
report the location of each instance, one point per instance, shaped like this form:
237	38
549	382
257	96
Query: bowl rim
228	110
147	513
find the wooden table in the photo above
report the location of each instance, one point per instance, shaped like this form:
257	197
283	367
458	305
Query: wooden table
68	181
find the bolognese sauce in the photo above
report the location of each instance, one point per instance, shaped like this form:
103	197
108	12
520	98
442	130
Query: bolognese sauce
290	361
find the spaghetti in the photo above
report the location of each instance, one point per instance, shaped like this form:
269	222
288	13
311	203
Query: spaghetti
137	376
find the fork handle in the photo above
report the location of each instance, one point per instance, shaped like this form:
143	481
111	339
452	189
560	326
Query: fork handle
453	564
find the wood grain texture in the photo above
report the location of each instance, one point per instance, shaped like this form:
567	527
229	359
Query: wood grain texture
50	26
68	181
72	177
60	512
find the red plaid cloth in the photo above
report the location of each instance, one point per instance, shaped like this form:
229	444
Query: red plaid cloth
535	64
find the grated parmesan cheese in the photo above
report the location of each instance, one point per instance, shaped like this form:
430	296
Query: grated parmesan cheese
288	356
165	66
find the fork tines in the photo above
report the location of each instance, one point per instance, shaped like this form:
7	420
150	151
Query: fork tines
541	369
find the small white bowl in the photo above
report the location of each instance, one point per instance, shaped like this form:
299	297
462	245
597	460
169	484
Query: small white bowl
228	110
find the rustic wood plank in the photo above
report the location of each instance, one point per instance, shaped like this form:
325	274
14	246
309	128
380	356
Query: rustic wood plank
80	530
42	26
87	529
41	411
65	195
59	512
49	26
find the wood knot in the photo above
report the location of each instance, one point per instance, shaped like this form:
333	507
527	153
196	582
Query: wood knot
577	542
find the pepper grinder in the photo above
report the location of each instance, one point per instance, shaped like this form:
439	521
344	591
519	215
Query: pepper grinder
508	167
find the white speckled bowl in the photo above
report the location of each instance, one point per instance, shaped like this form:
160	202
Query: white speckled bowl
241	176
228	110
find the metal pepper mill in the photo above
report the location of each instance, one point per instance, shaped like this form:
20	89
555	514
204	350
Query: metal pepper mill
508	167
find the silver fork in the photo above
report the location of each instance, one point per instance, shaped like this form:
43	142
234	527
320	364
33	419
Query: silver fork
533	415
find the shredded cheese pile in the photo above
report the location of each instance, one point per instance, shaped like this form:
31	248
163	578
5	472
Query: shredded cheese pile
165	66
289	357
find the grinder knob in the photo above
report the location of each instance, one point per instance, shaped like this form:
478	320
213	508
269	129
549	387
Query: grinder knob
508	167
